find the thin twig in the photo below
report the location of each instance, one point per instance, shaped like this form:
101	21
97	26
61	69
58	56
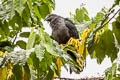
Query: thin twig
111	18
15	38
108	20
94	78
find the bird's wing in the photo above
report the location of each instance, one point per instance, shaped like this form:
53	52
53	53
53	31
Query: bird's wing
72	29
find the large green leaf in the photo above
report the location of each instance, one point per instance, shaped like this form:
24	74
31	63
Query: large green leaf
46	41
17	57
106	46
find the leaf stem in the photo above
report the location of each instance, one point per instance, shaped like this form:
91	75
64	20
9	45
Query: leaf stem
15	38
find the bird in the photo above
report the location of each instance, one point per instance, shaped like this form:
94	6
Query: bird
65	32
62	28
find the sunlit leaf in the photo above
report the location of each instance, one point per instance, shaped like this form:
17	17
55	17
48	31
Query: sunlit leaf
19	6
7	10
99	17
79	15
37	11
46	41
31	40
40	51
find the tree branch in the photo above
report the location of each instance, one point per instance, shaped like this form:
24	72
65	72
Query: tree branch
108	20
111	18
15	38
94	78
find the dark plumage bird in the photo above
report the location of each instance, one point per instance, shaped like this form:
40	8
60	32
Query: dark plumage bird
62	28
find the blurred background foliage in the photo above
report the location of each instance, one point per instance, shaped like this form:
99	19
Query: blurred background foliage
38	57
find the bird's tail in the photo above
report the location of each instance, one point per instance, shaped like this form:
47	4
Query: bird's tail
78	55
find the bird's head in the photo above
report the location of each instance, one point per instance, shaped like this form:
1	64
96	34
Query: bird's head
49	17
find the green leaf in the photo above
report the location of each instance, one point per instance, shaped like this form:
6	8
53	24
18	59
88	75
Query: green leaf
25	34
27	72
50	75
44	10
5	43
19	6
40	51
117	2
17	71
5	28
106	46
109	44
99	17
110	72
31	39
20	57
85	10
2	34
86	17
16	20
35	61
37	11
17	57
30	4
27	16
7	10
82	15
24	1
48	58
21	44
46	41
44	65
116	78
116	30
79	15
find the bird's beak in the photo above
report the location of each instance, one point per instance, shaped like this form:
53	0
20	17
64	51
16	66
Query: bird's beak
46	18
